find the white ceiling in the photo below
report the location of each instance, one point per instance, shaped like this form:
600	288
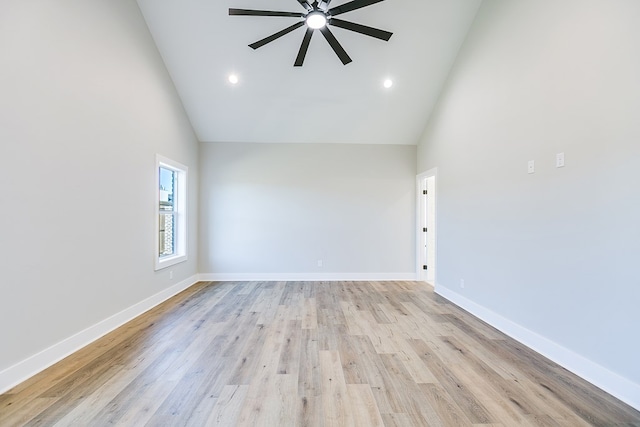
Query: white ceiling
323	101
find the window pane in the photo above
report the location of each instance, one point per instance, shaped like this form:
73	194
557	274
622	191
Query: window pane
171	245
167	235
167	189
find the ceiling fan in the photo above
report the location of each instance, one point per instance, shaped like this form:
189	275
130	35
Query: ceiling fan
318	16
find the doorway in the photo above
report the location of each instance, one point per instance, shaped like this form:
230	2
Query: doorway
426	227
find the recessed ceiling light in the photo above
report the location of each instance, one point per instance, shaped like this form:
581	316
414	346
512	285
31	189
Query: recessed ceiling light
233	79
388	83
316	20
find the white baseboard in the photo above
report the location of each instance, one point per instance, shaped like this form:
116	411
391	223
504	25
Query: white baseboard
614	384
306	277
27	368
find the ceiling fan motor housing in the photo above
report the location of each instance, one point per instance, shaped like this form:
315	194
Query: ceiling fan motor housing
316	19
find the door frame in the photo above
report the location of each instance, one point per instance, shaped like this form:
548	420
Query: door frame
421	222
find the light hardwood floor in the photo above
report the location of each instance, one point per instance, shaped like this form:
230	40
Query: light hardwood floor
308	354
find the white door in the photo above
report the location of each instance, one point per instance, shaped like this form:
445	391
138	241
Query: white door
426	238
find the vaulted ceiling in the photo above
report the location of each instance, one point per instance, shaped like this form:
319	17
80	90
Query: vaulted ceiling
322	101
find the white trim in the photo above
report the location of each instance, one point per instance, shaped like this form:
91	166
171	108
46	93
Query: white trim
420	275
306	277
614	384
29	367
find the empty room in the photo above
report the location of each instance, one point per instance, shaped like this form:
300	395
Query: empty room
320	213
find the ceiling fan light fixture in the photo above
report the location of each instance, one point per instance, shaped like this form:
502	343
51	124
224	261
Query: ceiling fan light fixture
316	20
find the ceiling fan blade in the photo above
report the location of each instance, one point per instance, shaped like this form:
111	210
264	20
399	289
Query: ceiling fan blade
250	12
306	5
352	5
362	29
337	48
275	36
303	48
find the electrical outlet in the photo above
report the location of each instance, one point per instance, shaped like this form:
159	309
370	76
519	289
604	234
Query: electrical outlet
462	283
531	166
319	263
171	274
560	160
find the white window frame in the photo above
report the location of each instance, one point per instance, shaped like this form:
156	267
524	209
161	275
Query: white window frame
180	204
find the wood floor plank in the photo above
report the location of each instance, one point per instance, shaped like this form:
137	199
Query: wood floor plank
509	391
194	383
272	403
363	406
25	413
92	404
503	410
309	354
290	351
268	389
139	401
310	315
382	383
352	369
469	403
336	405
309	383
397	420
227	408
571	391
310	413
410	398
443	404
241	369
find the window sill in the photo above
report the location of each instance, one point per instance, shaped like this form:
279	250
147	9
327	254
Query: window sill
169	261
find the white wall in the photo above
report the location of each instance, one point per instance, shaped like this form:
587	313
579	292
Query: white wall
555	252
274	210
85	105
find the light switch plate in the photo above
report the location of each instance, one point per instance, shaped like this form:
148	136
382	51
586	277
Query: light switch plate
560	160
531	166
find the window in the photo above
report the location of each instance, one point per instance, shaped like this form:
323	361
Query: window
171	212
